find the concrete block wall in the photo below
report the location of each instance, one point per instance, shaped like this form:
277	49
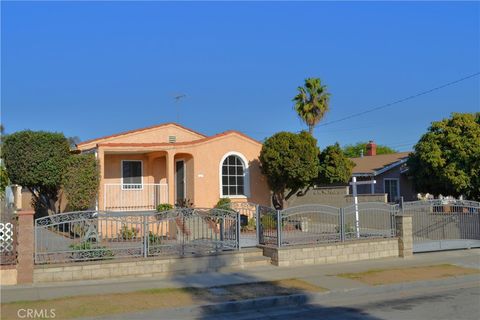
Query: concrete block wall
136	268
333	253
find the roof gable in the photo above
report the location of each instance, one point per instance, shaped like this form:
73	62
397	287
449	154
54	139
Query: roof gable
375	165
154	134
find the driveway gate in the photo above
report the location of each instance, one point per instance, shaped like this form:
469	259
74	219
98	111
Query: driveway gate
444	224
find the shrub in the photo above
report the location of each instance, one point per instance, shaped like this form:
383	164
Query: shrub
269	221
164	207
184	203
80	181
153	238
224	204
128	233
84	250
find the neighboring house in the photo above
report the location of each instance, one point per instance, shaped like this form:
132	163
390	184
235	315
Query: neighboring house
389	172
168	163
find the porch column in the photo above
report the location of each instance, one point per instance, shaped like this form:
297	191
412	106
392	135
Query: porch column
170	162
372	186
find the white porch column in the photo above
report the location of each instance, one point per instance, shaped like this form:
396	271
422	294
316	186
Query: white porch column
170	162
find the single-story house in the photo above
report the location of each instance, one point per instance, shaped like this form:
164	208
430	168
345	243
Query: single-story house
169	163
388	170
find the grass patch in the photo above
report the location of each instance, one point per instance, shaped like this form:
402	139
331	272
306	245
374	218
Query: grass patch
409	274
108	304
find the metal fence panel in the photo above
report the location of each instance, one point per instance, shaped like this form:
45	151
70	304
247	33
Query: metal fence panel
267	226
375	220
310	224
92	235
444	224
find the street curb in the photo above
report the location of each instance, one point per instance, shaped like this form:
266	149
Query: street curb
265	302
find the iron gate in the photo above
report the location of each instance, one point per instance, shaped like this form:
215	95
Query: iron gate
444	224
92	235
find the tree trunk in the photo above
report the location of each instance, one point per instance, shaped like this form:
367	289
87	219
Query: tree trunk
310	129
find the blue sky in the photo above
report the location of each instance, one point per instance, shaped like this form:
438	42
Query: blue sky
92	69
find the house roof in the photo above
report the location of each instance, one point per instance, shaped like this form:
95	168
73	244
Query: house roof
374	165
141	129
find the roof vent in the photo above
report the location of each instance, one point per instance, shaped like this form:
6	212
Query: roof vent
172	139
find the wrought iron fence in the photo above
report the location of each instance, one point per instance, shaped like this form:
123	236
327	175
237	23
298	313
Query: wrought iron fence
92	235
369	220
439	220
316	223
8	235
309	224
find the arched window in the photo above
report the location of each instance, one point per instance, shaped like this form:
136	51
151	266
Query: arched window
233	176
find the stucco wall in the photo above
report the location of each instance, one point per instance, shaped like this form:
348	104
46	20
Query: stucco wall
153	135
332	196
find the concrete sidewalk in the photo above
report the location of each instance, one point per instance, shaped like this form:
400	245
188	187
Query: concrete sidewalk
317	275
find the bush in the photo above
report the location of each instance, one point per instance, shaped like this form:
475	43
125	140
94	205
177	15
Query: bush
269	221
84	250
164	207
80	181
184	203
224	204
153	238
128	233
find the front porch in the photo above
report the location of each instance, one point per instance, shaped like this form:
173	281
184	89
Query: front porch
140	181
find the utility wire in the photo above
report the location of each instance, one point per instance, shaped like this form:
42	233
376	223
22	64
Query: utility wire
401	100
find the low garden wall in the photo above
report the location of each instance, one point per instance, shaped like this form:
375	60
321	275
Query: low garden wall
136	268
333	252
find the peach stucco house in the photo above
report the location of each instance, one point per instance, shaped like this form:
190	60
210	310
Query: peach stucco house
142	168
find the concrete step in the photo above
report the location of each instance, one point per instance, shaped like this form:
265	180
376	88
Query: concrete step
256	261
252	252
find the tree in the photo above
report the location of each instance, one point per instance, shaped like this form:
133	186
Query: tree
290	163
311	102
446	159
334	167
73	141
359	148
36	160
80	181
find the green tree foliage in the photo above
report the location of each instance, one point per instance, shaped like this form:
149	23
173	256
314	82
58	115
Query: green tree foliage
355	150
312	102
3	181
80	181
36	160
290	162
446	159
335	167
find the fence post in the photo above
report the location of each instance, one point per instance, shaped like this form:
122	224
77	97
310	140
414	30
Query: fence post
257	223
238	230
145	236
403	226
342	224
25	247
279	228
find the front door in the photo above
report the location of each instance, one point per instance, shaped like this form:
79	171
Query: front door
179	181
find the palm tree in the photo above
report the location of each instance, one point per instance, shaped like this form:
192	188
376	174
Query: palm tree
311	102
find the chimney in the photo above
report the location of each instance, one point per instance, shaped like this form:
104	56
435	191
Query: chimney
371	148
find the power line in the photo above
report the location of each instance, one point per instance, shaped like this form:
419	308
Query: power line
401	100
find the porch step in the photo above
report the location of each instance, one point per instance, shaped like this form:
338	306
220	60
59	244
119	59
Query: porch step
255	261
252	252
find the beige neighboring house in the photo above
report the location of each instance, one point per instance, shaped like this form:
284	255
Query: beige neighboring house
167	163
388	170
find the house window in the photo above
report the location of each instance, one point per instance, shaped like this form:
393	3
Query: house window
132	174
233	176
392	189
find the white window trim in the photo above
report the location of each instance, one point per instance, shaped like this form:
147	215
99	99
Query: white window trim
184	178
141	176
398	185
246	179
